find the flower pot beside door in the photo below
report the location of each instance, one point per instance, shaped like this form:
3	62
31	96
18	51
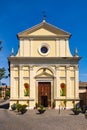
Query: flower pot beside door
41	109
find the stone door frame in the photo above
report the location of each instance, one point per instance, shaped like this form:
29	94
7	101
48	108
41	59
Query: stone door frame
44	80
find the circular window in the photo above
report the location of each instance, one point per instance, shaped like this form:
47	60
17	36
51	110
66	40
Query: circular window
44	49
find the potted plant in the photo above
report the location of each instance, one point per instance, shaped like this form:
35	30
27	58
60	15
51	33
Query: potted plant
36	105
18	107
21	108
53	104
49	103
76	110
41	109
86	114
13	106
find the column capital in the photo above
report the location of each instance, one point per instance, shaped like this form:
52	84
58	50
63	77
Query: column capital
67	67
76	67
20	67
31	39
57	67
11	66
57	39
31	67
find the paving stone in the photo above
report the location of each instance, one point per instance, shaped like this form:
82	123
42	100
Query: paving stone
49	120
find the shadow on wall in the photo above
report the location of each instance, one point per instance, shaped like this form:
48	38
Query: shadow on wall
83	99
4	106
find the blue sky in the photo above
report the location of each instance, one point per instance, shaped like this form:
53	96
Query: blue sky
69	15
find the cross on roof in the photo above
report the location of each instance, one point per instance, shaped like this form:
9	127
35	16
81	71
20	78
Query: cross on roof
44	16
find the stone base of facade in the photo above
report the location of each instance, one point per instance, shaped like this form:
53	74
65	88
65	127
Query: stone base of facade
66	103
59	103
29	102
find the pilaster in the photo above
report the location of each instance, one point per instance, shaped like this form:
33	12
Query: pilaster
21	50
20	82
57	47
67	81
32	88
76	82
31	46
57	89
58	81
12	89
66	48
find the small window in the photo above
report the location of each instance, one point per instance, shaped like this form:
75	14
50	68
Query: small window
44	49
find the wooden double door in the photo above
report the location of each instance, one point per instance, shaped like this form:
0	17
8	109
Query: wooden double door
44	93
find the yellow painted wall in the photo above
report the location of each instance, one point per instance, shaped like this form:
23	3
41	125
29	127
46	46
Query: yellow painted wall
42	32
26	71
29	47
62	48
62	71
15	71
72	87
16	87
35	48
72	72
24	48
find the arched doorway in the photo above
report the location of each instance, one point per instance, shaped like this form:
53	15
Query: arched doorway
44	89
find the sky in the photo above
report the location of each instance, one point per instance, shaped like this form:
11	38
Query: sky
19	15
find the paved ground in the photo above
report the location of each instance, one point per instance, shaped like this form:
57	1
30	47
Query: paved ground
31	120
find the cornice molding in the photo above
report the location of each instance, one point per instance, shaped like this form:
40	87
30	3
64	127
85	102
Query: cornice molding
46	60
50	37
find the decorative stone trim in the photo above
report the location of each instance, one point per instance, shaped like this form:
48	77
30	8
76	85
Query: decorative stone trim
67	67
31	67
67	99
76	67
20	67
57	67
22	99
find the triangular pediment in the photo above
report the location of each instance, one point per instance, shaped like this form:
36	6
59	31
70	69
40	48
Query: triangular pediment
42	32
43	29
44	74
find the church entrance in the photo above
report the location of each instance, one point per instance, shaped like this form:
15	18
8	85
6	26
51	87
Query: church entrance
44	93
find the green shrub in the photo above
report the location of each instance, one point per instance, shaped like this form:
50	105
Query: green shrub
36	105
53	104
14	106
76	110
21	108
41	107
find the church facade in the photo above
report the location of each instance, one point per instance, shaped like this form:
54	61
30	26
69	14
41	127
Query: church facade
44	71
